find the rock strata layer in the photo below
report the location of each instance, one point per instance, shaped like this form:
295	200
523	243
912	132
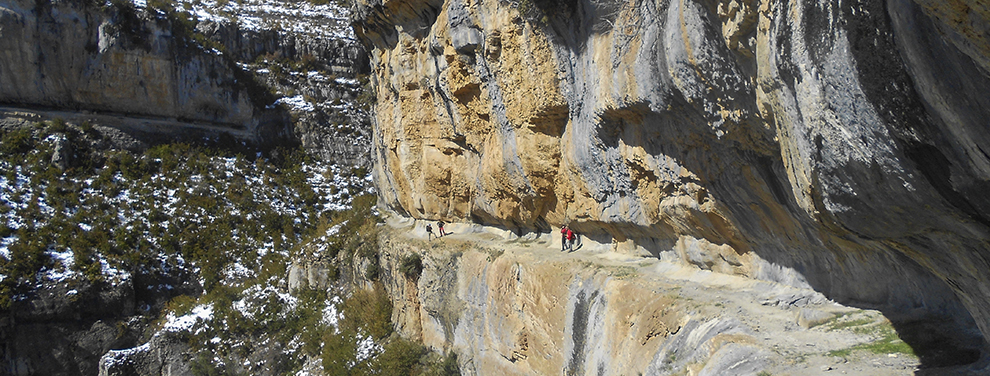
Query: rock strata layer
840	146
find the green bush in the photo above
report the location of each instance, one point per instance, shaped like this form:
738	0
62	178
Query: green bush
400	357
411	266
448	366
162	5
18	141
308	62
128	23
57	125
28	257
370	311
207	224
86	262
373	270
367	97
203	365
339	352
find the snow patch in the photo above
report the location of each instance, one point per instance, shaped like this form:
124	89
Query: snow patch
187	322
114	358
64	261
297	103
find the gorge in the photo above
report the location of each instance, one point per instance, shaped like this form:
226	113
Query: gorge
759	186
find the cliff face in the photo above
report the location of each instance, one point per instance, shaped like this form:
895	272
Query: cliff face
168	73
839	147
77	56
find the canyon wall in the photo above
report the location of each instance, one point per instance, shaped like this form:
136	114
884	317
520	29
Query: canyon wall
167	74
73	55
838	146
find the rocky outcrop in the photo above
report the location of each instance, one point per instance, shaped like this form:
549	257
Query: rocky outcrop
166	354
74	55
330	122
168	76
835	146
64	328
343	56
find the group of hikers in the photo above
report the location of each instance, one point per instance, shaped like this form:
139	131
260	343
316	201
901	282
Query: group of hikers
567	238
429	230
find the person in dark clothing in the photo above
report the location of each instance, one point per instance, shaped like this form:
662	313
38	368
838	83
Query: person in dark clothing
440	228
429	231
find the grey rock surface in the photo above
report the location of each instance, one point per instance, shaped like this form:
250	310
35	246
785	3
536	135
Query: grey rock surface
166	354
65	329
112	59
838	146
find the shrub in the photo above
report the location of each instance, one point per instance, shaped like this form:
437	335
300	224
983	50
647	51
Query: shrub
203	365
28	257
308	62
400	357
87	263
448	366
57	126
411	266
18	141
162	5
339	352
373	270
128	23
367	97
370	311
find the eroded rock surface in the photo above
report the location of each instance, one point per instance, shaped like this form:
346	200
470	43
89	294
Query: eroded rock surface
834	146
165	75
521	307
79	56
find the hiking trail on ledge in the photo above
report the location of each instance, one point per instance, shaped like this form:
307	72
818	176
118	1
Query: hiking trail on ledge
519	305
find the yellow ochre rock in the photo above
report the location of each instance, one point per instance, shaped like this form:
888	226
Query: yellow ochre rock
835	146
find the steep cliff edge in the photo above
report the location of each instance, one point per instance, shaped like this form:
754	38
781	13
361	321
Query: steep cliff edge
832	146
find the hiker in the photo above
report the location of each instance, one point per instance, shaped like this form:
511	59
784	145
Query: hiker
429	232
440	228
570	239
563	238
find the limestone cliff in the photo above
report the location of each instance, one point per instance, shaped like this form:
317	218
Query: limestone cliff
840	146
168	72
78	56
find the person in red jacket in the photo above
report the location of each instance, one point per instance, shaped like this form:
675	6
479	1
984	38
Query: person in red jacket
563	238
570	239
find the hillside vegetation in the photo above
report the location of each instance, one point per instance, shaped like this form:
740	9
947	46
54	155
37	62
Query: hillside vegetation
204	236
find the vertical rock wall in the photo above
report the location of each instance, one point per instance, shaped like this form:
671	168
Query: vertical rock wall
78	55
839	146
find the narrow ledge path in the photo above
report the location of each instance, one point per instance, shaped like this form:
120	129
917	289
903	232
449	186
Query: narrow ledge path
803	332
